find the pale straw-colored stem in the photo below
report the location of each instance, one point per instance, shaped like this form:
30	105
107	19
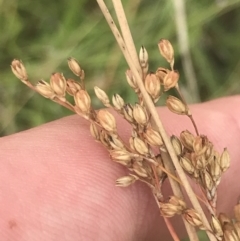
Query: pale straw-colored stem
192	234
155	117
126	33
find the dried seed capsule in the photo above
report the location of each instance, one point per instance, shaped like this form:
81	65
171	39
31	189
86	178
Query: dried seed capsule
207	181
187	165
19	70
116	143
161	73
143	57
200	162
153	137
176	106
83	101
139	169
237	227
237	212
224	160
126	180
223	218
130	79
216	226
58	84
117	101
45	89
193	218
166	50
177	146
215	170
121	155
230	235
140	146
128	112
107	120
187	139
102	96
153	86
178	202
72	87
74	66
94	131
140	114
170	80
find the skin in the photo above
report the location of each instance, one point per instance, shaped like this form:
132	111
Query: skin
58	184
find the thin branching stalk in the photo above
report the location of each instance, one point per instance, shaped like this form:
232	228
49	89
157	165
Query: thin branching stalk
155	117
192	234
126	33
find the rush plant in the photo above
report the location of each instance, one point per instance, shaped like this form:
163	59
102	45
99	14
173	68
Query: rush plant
150	155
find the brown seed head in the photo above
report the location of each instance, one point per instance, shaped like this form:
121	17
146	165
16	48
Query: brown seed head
83	101
116	143
177	145
237	227
128	112
178	202
230	235
139	169
173	207
140	146
107	120
45	89
102	96
72	87
126	180
130	79
215	170
166	50
58	84
223	218
216	226
74	66
143	57
193	218
94	131
176	106
121	155
237	212
170	80
19	70
152	137
117	101
187	165
200	162
187	139
153	86
140	114
224	160
207	181
161	73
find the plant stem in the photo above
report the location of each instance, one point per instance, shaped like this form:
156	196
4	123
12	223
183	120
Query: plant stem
126	33
192	234
156	119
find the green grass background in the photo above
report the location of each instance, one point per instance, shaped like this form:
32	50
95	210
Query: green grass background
45	33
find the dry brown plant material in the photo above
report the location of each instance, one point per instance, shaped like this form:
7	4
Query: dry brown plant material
147	155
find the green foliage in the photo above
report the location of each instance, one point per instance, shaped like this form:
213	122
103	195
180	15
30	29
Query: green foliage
45	33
